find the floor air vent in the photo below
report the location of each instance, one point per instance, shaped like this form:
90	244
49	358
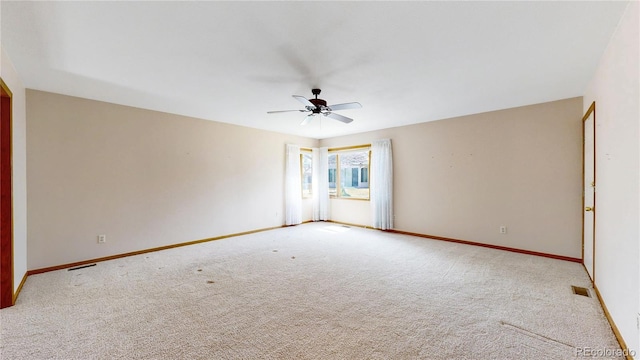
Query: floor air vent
580	291
81	267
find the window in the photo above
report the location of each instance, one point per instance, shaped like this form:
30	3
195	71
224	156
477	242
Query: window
306	166
333	161
351	181
364	175
332	177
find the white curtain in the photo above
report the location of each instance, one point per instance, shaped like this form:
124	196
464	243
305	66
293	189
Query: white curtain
293	186
320	184
315	179
381	186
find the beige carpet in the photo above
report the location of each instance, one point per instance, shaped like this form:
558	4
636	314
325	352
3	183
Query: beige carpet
315	291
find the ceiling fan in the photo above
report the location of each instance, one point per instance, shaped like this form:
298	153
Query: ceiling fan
319	107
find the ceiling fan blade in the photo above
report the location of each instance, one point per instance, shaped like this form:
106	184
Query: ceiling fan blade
345	106
344	119
281	111
308	104
307	119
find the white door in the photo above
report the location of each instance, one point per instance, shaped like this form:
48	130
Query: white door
588	242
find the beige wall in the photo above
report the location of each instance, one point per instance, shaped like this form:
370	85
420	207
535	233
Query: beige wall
19	164
615	88
143	178
147	179
464	177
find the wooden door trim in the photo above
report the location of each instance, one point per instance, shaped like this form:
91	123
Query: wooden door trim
591	110
6	203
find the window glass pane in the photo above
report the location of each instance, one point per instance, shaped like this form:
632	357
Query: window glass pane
354	174
306	164
332	174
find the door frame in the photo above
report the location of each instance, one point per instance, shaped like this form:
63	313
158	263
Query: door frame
6	200
591	110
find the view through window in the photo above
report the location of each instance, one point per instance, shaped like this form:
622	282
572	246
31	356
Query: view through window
349	174
306	166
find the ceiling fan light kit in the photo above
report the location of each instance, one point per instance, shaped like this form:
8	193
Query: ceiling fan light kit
319	106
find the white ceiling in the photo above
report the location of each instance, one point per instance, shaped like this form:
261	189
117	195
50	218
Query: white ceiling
405	62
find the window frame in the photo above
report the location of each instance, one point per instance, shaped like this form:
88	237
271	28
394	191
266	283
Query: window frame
337	151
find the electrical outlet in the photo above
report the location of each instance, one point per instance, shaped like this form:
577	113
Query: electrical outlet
102	239
503	229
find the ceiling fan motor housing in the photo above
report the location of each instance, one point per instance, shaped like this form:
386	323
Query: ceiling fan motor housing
319	103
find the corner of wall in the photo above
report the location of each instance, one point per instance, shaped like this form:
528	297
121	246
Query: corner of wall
615	88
